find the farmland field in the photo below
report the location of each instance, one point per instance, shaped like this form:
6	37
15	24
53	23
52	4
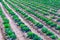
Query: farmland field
29	19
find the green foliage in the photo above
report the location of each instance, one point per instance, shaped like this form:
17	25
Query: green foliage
53	37
5	21
49	33
24	28
13	36
39	25
30	35
6	25
58	27
58	20
44	30
33	36
0	0
58	38
52	24
37	38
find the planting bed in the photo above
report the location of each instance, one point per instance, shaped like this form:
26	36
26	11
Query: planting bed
29	20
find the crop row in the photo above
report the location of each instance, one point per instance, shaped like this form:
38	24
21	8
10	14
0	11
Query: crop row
39	25
47	21
23	27
8	31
